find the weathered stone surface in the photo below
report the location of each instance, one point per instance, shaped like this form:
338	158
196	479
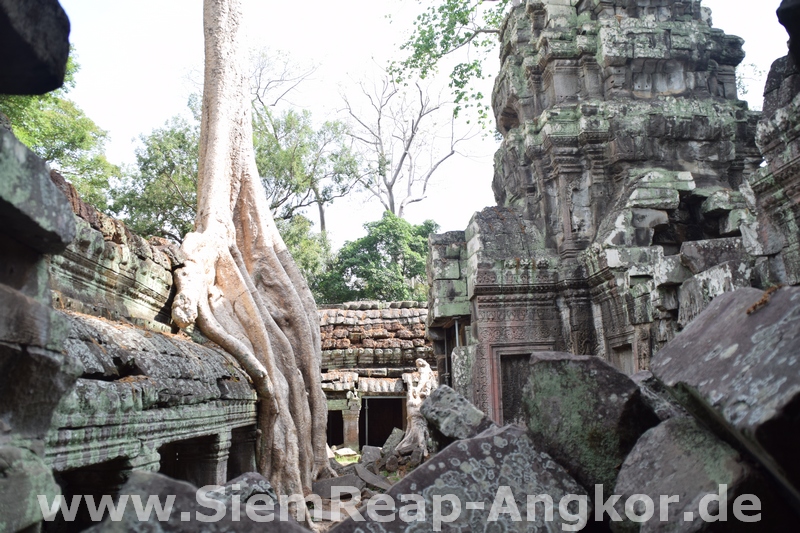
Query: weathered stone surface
657	397
244	487
185	510
736	366
471	470
392	441
34	46
453	415
108	271
32	381
324	488
23	477
370	454
373	480
680	458
32	210
789	16
584	413
699	256
697	292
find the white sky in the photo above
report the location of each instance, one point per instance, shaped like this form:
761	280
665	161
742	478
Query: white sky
137	56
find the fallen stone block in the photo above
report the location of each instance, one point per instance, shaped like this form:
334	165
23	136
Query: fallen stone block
324	488
187	514
680	458
392	441
497	469
453	415
736	367
23	477
370	454
657	397
34	46
585	413
373	480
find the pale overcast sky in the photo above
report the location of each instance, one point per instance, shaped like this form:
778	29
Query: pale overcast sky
137	56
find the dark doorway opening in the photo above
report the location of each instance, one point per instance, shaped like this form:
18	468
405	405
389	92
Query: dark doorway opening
192	460
242	458
335	428
104	479
379	416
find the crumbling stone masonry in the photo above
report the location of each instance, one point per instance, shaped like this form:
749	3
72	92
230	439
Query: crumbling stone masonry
369	351
628	193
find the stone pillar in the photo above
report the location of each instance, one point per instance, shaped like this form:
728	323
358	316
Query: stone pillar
350	418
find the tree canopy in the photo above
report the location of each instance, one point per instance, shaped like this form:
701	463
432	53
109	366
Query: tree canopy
59	132
387	264
446	27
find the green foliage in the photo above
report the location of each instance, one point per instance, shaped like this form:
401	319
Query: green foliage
311	251
160	197
300	165
444	28
59	132
387	264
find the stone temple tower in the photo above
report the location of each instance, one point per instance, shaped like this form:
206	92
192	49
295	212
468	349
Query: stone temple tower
623	201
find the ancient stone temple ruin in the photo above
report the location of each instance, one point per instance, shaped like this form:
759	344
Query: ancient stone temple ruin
369	351
628	191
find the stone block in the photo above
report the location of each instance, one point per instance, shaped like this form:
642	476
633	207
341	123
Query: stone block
698	291
680	458
453	415
584	413
722	201
32	210
392	441
736	366
373	480
698	256
471	470
649	218
23	478
145	484
653	198
324	487
657	397
34	46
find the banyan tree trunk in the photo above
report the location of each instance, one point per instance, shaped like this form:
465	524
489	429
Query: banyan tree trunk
239	284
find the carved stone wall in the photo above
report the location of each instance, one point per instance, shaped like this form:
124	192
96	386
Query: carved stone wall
628	193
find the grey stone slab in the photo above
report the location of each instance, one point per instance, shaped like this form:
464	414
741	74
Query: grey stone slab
583	412
32	210
185	510
373	480
370	454
324	488
680	458
34	46
23	477
736	366
698	256
471	472
453	415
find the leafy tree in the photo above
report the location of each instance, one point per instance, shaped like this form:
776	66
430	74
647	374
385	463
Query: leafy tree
299	165
446	27
160	197
387	264
59	132
311	251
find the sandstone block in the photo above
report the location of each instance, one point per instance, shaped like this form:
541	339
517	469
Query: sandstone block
584	413
736	366
471	470
453	415
23	476
680	458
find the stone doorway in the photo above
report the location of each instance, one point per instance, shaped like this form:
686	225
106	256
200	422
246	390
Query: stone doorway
379	415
